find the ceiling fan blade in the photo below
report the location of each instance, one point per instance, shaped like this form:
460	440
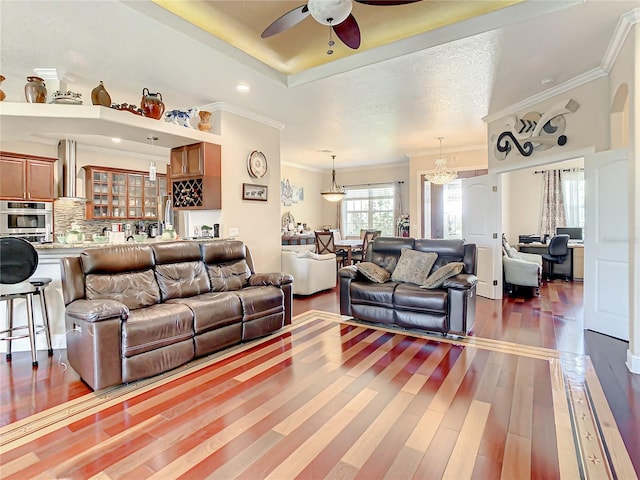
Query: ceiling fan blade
386	2
349	32
286	21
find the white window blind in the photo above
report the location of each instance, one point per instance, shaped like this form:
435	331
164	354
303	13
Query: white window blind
573	196
369	207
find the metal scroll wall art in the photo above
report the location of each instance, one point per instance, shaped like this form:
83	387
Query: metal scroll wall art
534	132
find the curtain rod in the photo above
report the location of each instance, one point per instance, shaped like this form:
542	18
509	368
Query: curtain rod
563	170
369	184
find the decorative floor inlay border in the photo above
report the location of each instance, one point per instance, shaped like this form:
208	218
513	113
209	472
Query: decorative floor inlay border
588	443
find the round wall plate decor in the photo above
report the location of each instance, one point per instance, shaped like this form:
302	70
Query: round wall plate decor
257	164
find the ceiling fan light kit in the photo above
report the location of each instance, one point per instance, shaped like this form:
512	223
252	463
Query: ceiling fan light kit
336	14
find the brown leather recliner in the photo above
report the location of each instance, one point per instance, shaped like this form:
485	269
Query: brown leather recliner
446	310
133	311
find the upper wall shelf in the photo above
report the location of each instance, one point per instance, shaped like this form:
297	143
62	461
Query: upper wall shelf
93	125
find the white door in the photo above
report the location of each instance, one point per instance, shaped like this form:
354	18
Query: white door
606	244
481	224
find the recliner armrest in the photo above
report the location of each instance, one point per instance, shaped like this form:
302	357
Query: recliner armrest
348	272
97	310
461	281
276	279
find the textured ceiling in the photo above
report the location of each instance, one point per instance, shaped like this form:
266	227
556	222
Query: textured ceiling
374	106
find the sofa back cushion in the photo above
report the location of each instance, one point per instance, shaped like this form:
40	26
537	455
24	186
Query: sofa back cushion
180	271
121	272
227	265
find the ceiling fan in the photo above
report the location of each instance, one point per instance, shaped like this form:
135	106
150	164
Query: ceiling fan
333	13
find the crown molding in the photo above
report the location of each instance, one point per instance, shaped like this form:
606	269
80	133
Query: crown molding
242	112
302	167
454	150
625	23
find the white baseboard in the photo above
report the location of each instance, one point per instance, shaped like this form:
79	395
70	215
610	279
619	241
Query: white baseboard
633	362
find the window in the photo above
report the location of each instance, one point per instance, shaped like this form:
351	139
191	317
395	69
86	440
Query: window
573	195
369	208
453	209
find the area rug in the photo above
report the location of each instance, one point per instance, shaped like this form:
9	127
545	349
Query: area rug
328	397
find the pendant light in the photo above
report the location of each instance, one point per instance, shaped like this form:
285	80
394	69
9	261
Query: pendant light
334	193
441	174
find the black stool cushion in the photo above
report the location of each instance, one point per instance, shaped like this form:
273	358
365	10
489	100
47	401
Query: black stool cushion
40	281
18	260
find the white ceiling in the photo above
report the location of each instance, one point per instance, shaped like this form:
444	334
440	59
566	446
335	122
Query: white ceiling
377	106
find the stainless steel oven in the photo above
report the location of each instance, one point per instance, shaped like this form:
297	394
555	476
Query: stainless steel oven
30	220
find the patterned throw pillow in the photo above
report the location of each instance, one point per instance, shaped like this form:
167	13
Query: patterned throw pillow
413	266
439	276
373	272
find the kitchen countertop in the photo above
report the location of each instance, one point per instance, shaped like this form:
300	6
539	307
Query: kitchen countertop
83	245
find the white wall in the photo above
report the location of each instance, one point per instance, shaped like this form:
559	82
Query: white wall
522	199
310	209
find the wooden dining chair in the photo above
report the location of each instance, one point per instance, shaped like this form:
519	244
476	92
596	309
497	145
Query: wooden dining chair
369	236
325	244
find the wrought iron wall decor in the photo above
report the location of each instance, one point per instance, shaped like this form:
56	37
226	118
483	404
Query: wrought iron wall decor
534	132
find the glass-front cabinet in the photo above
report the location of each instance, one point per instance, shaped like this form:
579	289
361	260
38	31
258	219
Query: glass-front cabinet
122	194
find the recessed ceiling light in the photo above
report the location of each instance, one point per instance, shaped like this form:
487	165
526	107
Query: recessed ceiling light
243	87
116	140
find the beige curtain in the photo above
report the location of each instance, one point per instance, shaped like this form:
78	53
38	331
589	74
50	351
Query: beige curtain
552	204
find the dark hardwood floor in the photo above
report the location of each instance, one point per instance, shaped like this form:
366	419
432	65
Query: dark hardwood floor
552	320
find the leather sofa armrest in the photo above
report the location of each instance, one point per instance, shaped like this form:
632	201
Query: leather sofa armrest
97	310
462	281
276	279
348	272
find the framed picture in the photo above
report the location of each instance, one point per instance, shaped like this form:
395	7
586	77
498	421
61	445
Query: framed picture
254	192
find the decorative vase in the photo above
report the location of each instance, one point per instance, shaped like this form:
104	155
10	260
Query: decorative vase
35	90
204	124
100	96
151	104
2	95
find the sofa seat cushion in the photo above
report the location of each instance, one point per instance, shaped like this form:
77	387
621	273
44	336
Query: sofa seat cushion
134	289
411	297
260	301
156	326
212	310
182	279
366	292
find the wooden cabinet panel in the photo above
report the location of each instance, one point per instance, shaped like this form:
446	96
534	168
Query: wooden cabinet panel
578	262
122	194
13	181
26	178
196	177
39	180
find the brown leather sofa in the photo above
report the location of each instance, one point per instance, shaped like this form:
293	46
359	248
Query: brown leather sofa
446	310
137	310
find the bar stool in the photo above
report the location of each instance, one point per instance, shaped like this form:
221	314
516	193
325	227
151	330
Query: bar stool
18	261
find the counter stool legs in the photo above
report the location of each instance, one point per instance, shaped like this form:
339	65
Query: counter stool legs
10	325
40	285
32	330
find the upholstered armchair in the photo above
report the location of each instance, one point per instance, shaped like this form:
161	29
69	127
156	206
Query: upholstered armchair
311	272
521	269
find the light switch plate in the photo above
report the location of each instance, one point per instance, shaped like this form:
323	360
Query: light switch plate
234	231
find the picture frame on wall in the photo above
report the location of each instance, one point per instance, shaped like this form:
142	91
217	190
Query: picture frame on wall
252	191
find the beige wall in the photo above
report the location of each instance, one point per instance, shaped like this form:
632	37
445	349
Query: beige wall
473	159
310	209
586	129
397	172
258	223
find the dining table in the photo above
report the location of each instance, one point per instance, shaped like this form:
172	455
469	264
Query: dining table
349	244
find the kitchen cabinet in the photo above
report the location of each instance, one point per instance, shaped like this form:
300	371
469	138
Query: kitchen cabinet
196	177
25	177
122	194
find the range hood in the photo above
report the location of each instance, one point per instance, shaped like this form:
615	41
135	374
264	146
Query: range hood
67	170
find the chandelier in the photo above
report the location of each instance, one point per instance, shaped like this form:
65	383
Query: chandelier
334	193
441	174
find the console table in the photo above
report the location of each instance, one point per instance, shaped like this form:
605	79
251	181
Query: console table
572	266
298	239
